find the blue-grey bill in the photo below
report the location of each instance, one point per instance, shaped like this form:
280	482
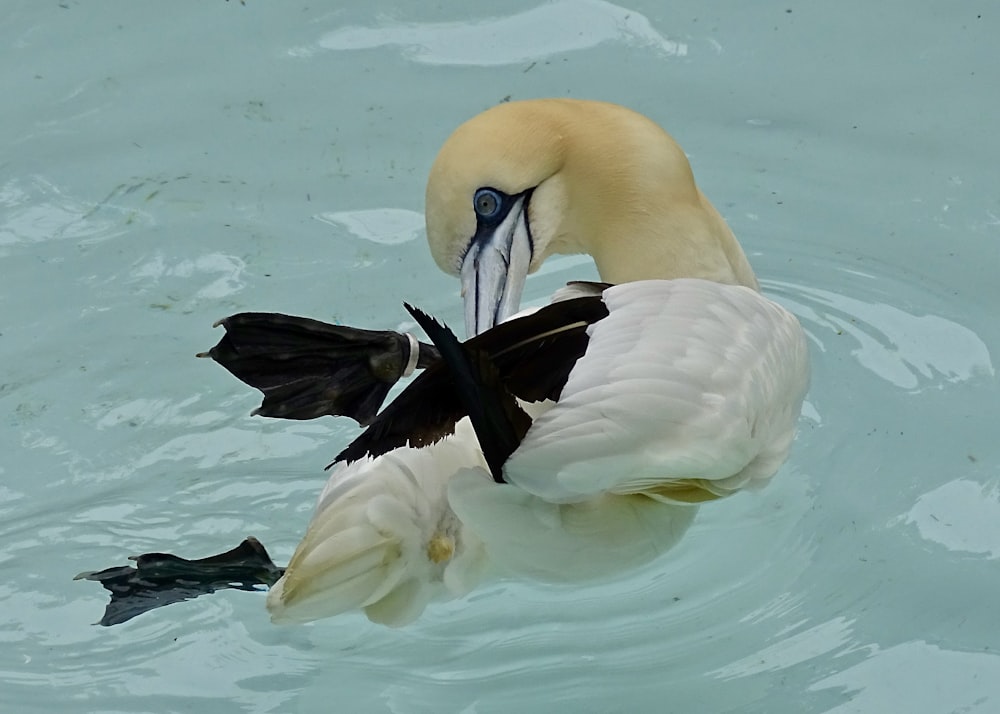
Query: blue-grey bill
494	271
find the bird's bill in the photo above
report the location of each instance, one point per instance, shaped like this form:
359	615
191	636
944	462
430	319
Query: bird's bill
494	271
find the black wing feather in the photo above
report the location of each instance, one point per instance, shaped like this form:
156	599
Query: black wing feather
498	421
533	356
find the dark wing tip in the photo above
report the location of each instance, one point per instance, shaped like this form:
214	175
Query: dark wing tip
499	422
528	358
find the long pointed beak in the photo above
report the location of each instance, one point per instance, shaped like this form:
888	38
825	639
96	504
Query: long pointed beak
494	270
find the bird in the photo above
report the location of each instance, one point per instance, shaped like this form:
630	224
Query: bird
568	444
683	384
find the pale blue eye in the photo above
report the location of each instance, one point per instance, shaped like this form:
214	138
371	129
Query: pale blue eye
488	203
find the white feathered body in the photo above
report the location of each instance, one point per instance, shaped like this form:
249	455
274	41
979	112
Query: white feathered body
688	385
689	390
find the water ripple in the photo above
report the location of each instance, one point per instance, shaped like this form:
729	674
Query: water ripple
962	515
910	351
549	29
386	226
918	676
36	209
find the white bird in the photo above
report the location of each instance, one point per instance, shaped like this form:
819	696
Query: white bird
686	387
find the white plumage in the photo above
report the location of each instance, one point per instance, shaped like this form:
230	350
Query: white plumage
384	539
689	390
678	368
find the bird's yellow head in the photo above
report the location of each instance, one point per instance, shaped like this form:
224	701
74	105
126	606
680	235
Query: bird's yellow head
527	179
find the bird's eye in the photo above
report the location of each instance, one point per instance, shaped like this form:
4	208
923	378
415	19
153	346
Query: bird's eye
487	203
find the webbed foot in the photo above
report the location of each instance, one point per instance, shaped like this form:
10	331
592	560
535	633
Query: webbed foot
160	579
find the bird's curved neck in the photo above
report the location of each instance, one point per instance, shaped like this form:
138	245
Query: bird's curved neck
640	213
686	239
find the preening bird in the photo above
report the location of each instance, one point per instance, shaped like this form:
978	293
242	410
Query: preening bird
566	445
680	384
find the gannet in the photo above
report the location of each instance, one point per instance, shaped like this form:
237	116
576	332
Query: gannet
684	388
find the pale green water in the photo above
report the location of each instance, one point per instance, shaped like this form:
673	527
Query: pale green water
165	164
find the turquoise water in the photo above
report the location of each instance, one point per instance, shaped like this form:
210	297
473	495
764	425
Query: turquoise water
166	164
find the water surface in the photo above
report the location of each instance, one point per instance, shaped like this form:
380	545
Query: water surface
164	165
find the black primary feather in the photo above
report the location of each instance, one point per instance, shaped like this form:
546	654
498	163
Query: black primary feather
306	368
533	356
498	421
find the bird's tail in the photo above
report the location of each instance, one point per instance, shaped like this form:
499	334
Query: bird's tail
383	540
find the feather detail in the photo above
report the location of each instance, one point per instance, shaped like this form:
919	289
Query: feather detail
499	422
533	356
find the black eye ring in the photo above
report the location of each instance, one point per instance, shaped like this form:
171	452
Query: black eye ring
488	203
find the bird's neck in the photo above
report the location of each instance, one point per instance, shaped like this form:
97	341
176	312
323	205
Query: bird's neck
641	215
686	241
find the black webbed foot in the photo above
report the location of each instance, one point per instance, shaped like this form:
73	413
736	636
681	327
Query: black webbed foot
160	579
308	369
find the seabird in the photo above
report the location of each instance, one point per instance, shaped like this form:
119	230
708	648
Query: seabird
569	444
683	383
